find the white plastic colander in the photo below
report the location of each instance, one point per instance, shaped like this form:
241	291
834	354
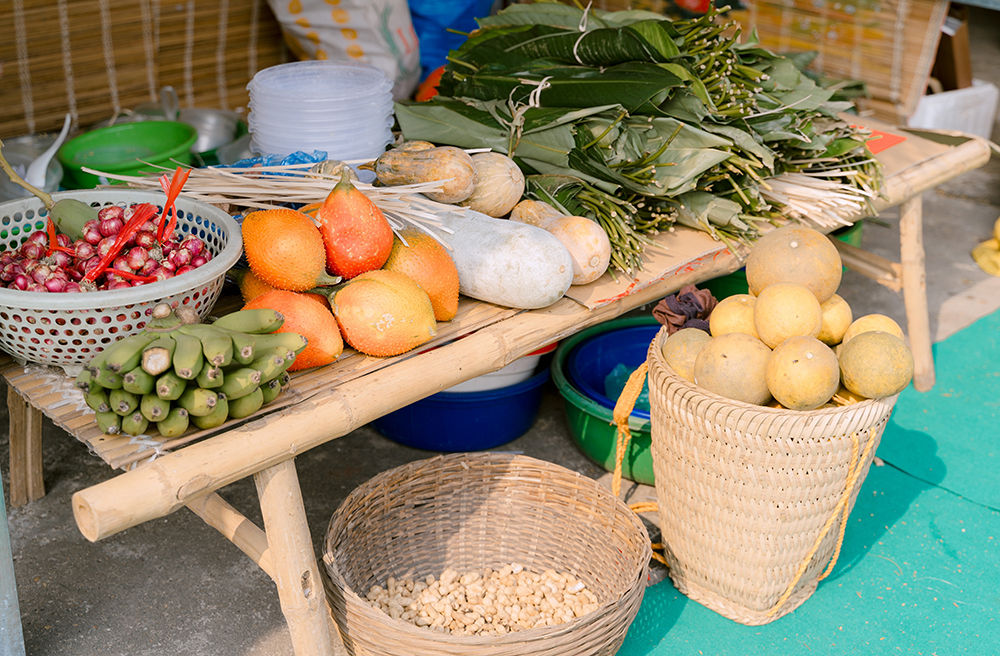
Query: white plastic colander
67	330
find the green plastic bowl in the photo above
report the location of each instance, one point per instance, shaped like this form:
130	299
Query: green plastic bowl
125	149
591	424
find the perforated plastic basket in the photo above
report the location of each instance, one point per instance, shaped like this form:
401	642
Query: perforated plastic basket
67	330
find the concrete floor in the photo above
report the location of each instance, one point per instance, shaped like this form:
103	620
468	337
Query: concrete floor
175	586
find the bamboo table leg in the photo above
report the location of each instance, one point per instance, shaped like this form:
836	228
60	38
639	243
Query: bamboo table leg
911	250
296	570
25	432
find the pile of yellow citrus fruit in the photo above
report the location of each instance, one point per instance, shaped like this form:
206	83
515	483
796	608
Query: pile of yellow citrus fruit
792	342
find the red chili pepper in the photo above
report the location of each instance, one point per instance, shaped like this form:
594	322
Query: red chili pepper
141	214
54	242
131	276
172	190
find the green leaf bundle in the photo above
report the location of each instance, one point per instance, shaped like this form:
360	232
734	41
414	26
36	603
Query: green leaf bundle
642	122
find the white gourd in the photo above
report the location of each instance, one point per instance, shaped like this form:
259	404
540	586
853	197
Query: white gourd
586	240
505	262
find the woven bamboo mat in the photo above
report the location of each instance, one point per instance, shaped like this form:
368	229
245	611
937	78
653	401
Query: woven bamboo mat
92	58
50	390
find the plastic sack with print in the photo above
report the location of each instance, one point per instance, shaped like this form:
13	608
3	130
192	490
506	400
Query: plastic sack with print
376	32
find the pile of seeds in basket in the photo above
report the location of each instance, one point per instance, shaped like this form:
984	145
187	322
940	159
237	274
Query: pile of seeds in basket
494	602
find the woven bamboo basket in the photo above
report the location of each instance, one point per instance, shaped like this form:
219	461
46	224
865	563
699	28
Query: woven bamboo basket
470	511
753	501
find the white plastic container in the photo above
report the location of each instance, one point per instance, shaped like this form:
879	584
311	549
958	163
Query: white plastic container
314	81
516	372
342	108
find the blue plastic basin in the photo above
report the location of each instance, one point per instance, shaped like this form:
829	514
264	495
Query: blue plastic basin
592	360
466	421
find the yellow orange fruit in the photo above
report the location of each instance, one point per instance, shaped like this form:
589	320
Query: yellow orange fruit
285	249
250	284
876	364
871	322
734	366
784	310
423	259
308	315
797	254
681	349
733	314
837	318
384	313
802	373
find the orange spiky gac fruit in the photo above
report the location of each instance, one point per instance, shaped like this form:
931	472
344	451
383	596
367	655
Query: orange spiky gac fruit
384	313
356	234
285	249
249	283
423	259
308	315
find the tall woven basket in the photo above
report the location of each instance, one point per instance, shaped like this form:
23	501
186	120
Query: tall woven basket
469	511
753	501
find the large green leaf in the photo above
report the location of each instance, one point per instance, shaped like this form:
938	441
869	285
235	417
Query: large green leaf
632	16
441	125
685	106
677	170
682	135
654	33
600	47
744	140
694	82
556	14
637	87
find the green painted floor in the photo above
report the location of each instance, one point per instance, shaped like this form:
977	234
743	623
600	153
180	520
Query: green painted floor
920	567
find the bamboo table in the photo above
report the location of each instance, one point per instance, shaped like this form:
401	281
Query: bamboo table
329	402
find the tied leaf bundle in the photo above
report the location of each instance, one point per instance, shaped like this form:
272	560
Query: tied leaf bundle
641	122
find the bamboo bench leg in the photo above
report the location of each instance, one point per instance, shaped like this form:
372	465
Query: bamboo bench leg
911	250
296	571
25	433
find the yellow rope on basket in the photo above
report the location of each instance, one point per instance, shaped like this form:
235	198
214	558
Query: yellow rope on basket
623	408
853	472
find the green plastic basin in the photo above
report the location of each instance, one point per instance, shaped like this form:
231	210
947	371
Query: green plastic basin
126	149
591	424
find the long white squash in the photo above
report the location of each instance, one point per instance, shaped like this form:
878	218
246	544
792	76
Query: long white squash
507	263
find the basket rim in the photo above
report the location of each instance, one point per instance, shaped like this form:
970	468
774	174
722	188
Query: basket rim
106	299
525	635
655	354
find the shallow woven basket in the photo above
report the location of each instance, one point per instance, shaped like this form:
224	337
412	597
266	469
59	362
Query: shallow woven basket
753	501
469	511
68	330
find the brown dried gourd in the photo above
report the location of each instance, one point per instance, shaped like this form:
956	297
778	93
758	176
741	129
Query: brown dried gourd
416	163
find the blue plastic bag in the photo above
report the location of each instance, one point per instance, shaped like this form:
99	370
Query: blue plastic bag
431	21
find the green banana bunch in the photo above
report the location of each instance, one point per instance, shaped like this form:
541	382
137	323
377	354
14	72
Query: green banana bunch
177	375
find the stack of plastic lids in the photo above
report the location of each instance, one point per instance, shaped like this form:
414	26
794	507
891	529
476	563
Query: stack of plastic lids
343	108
